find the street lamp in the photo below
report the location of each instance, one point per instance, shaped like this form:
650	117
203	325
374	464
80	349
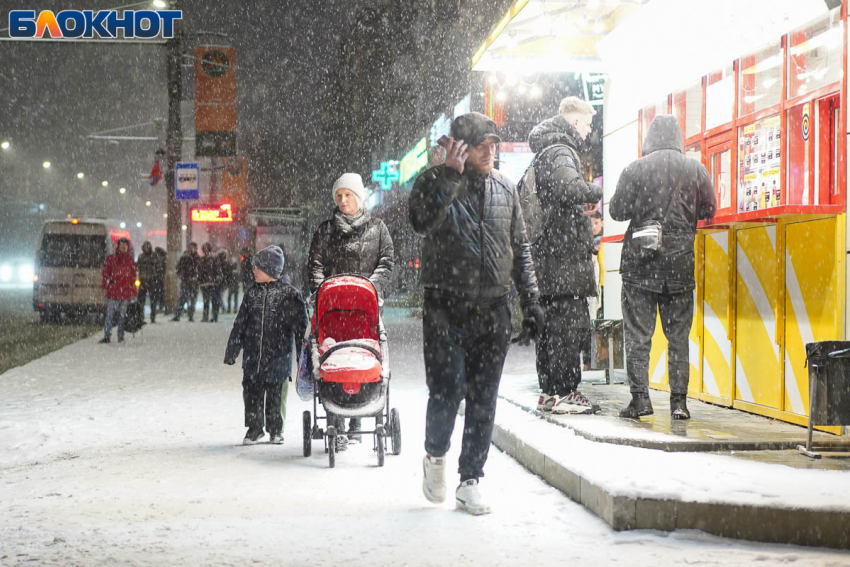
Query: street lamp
138	225
160	4
123	225
46	165
5	145
104	183
80	175
122	190
165	215
147	203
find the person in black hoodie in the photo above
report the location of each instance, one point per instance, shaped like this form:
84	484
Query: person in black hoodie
158	284
563	255
146	264
271	316
473	243
209	276
187	271
662	282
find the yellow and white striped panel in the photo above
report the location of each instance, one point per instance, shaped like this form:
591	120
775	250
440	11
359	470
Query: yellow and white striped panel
811	302
757	363
717	347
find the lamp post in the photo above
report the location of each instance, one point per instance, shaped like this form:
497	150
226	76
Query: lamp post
173	154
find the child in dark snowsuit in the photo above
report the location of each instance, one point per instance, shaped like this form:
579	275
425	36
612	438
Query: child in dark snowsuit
272	314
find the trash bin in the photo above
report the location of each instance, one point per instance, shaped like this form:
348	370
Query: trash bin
606	345
829	387
829	382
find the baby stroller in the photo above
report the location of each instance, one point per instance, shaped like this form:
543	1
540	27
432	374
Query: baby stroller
351	369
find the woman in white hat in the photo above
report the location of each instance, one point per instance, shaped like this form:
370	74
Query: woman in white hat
351	242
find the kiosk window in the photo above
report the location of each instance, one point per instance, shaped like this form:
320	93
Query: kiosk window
759	159
761	80
814	55
719	98
687	107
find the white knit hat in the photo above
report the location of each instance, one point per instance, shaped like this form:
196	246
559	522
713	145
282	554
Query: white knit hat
354	183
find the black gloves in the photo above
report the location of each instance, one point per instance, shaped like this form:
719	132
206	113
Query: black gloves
532	322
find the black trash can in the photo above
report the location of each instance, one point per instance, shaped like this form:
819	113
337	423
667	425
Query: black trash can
829	382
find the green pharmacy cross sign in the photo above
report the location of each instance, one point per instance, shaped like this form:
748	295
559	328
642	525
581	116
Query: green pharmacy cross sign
386	175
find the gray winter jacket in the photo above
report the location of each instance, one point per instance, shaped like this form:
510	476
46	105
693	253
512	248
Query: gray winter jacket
365	249
563	254
644	192
474	236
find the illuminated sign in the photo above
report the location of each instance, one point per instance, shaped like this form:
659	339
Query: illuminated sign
386	175
464	106
223	213
414	161
442	127
594	87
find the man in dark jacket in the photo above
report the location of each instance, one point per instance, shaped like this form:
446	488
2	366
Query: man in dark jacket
118	281
146	263
209	277
158	284
663	281
474	241
187	271
272	314
563	255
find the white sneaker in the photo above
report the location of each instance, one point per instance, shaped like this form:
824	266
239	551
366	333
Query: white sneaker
276	439
434	478
545	402
468	499
574	403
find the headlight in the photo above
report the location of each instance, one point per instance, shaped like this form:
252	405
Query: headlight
25	273
5	273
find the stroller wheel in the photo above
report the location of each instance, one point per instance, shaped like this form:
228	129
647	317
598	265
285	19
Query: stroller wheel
308	433
380	441
395	431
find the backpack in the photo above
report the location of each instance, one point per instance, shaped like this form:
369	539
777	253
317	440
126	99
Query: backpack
532	212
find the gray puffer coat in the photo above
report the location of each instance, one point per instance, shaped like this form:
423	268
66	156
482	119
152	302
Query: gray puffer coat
342	246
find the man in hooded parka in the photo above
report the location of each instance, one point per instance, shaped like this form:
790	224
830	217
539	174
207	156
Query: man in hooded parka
662	281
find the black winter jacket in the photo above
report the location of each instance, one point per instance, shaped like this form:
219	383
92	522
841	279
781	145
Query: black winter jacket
474	236
209	270
562	254
366	250
643	193
187	268
271	315
146	264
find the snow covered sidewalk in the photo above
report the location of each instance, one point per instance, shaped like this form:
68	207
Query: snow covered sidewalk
634	488
130	455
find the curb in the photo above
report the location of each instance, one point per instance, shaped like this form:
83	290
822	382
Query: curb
690	446
808	527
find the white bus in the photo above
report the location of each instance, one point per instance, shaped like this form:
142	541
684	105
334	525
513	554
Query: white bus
70	256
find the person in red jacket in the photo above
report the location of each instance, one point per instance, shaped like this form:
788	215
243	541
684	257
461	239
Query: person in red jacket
119	283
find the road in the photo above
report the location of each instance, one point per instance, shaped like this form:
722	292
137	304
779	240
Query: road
22	337
130	455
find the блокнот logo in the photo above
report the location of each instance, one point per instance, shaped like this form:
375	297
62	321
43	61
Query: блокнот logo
142	24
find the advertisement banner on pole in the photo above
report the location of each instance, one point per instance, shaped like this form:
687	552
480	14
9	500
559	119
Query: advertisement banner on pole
187	186
215	101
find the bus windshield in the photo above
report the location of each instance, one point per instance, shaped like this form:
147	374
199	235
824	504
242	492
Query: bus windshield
72	251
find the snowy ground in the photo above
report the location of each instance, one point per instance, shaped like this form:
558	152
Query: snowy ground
130	454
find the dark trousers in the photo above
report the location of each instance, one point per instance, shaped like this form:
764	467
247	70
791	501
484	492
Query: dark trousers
233	295
677	315
565	334
212	294
465	346
260	394
188	295
145	289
